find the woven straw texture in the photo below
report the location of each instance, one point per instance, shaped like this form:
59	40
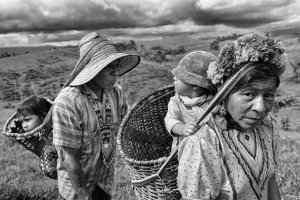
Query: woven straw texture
13	127
96	52
145	145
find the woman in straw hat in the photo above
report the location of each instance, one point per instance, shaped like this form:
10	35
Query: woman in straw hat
233	156
86	115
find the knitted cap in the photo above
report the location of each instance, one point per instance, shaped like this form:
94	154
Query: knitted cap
192	69
253	48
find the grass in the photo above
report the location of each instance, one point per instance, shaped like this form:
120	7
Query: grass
288	173
21	178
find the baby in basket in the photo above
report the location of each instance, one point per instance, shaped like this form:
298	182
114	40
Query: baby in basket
193	92
31	113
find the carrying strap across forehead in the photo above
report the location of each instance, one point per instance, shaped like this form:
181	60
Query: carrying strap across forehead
85	59
226	88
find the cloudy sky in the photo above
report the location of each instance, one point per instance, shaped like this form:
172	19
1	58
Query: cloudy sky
61	22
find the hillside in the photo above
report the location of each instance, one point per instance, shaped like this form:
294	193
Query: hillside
43	71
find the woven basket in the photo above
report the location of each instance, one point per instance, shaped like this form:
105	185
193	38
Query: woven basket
145	146
38	141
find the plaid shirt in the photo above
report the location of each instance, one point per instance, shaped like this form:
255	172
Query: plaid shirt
76	125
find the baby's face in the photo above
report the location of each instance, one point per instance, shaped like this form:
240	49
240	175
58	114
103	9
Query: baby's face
181	87
30	121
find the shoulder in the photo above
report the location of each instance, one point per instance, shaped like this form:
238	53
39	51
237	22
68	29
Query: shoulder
270	122
67	94
208	132
270	127
204	143
69	97
175	99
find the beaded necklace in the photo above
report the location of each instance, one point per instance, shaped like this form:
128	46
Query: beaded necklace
106	134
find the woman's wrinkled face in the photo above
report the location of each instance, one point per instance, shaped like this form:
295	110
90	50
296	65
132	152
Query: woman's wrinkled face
250	105
107	77
30	121
182	88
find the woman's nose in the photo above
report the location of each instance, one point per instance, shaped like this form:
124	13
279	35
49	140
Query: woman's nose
259	104
115	72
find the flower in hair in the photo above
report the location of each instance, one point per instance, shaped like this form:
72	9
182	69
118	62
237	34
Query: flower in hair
253	47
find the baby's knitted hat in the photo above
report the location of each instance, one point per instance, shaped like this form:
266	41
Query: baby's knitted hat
192	69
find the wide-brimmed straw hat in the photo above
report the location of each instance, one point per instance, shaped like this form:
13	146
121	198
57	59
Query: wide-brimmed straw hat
96	52
192	69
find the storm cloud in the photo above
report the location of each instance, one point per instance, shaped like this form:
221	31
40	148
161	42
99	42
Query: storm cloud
62	20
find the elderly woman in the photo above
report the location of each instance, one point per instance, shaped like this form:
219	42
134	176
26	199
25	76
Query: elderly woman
233	156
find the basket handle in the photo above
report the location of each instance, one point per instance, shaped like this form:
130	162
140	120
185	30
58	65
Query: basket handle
153	177
223	92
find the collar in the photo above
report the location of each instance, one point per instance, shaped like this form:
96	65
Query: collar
86	90
197	101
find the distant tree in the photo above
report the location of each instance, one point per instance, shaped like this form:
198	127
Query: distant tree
125	45
179	50
296	70
132	44
285	123
5	54
214	45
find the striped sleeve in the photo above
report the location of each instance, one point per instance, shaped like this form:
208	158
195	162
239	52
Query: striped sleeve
67	130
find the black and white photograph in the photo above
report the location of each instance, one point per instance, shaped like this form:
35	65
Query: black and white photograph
150	100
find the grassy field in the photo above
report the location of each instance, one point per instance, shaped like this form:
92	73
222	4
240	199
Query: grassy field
20	176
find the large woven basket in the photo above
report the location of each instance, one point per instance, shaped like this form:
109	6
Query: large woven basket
38	141
145	145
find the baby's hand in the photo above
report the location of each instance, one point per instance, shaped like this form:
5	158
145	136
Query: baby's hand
190	128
